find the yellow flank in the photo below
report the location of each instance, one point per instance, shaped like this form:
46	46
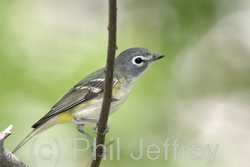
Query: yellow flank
65	117
117	88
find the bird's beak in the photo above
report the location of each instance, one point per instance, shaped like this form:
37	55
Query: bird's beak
157	56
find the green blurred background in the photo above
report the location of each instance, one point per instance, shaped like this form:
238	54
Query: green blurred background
199	93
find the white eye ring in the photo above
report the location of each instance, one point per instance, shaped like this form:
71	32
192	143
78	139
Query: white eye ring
138	61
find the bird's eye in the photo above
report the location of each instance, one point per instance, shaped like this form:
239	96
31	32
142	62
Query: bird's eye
138	60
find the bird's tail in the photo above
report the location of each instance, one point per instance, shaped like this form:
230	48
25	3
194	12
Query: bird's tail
35	131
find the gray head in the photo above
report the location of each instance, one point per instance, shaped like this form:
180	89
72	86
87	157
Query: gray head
134	61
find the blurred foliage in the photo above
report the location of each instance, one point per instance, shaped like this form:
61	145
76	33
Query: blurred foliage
198	93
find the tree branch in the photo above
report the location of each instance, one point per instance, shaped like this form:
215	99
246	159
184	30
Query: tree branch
108	83
7	159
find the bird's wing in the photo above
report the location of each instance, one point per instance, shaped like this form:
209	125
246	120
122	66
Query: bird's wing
85	90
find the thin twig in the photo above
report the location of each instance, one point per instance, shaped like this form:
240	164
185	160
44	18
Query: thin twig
7	159
87	163
108	83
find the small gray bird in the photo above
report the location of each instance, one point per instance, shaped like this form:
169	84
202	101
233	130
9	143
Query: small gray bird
81	105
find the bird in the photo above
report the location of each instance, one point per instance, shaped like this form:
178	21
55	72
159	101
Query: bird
81	105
